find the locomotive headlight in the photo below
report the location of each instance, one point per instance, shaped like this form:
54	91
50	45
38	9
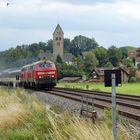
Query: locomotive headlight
39	73
51	72
40	76
52	75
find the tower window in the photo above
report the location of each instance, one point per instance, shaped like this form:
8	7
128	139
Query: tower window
59	38
56	38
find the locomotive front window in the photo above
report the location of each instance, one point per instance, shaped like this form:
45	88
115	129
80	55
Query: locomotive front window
41	65
48	65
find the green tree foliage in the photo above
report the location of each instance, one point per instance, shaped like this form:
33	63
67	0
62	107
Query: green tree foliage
78	63
65	70
101	55
128	62
96	56
108	64
67	45
24	54
123	52
59	59
49	45
90	61
114	55
81	43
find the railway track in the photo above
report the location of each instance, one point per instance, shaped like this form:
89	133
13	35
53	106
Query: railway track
127	105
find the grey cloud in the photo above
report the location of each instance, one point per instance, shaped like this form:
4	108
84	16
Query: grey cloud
85	1
90	23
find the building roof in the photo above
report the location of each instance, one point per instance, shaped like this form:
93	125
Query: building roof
100	71
137	73
137	59
68	57
47	55
134	52
70	79
58	27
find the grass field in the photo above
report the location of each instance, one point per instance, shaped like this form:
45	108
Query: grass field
127	88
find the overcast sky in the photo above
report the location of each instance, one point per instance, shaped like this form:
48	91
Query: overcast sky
110	22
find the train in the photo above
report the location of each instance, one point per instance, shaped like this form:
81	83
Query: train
39	75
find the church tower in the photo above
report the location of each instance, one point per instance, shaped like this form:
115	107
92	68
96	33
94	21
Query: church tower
58	42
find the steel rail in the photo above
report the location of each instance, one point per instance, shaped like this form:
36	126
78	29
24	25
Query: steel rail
100	104
107	94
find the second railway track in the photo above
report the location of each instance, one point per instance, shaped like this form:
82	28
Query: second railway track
128	106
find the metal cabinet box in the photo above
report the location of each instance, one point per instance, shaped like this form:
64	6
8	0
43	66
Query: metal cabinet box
107	77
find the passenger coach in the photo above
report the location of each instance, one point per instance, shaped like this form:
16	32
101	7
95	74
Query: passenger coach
39	75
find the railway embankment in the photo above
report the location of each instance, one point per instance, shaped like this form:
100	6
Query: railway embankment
24	116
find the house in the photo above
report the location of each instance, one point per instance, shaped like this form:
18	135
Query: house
46	55
97	74
137	62
135	53
137	74
67	57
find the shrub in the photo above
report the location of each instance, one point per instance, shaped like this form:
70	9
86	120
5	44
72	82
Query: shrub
132	79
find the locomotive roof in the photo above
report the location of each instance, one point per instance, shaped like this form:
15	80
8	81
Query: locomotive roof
11	70
34	63
15	71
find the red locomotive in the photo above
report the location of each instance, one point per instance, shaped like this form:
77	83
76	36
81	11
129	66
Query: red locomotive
39	75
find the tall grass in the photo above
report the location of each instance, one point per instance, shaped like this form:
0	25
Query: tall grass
24	117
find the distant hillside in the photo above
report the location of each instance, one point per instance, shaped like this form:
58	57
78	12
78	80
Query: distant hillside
128	47
22	55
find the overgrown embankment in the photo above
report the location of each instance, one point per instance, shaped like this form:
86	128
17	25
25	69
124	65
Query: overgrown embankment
24	117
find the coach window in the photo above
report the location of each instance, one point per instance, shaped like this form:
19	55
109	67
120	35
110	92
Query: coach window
17	77
31	67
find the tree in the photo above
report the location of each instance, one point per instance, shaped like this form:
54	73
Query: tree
59	59
101	55
90	61
67	45
114	55
81	43
78	63
128	62
123	52
50	45
42	46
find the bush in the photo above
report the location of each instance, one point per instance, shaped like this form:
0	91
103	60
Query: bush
133	79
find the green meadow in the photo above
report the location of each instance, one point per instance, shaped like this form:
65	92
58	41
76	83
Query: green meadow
126	88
